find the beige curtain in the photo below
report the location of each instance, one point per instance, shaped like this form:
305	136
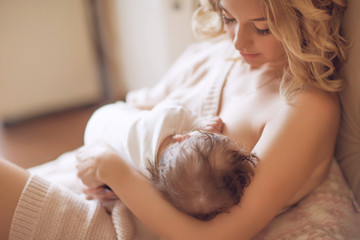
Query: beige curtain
106	38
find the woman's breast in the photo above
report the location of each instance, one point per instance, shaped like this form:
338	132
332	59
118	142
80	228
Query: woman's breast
244	120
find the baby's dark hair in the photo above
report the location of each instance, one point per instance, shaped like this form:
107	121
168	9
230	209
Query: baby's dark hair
203	175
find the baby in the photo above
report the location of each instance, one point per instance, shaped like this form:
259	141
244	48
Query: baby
199	170
202	173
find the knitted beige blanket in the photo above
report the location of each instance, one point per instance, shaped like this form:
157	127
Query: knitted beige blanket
52	206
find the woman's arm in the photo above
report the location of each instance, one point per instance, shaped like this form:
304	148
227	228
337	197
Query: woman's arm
292	144
99	164
298	140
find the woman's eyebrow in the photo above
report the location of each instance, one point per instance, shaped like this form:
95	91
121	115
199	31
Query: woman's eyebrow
252	20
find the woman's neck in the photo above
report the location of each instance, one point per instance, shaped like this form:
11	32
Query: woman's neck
246	80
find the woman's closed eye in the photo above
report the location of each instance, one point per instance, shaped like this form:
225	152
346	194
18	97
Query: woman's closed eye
259	31
227	20
262	32
261	28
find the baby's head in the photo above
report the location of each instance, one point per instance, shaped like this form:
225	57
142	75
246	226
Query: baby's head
202	173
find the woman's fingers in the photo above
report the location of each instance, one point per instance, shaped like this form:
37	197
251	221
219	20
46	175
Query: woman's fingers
87	165
100	193
92	160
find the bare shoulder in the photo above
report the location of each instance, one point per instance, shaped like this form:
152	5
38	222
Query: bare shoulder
317	102
313	109
309	111
312	115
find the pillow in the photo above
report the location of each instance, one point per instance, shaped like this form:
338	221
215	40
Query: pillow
328	212
348	143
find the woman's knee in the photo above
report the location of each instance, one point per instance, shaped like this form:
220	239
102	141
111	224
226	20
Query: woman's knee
12	182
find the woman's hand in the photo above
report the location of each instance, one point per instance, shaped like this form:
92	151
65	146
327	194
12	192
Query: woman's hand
94	162
102	193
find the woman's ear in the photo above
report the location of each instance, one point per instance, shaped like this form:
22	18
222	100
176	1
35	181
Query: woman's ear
180	137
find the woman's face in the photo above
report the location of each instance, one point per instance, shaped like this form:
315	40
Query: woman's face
245	22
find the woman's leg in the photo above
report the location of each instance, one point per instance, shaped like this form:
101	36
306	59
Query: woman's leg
12	182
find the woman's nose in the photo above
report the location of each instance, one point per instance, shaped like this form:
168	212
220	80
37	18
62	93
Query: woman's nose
242	39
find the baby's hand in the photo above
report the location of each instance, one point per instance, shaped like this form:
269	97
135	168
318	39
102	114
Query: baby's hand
213	124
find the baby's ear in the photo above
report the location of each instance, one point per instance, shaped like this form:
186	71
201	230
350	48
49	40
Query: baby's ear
180	137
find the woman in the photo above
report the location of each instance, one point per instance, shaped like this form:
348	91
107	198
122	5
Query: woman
277	99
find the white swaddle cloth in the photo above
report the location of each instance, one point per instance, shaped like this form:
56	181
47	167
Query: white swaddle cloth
137	134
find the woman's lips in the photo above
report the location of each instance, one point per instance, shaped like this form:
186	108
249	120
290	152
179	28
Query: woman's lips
250	55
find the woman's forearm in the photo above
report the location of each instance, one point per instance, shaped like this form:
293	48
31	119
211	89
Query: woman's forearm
138	194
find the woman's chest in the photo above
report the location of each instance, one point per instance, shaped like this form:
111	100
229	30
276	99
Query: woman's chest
245	116
249	100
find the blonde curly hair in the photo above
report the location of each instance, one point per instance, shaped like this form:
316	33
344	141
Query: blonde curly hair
310	32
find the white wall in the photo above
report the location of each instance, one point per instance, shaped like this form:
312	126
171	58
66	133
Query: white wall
152	34
47	60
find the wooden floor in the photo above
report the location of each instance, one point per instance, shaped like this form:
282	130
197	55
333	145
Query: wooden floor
42	139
